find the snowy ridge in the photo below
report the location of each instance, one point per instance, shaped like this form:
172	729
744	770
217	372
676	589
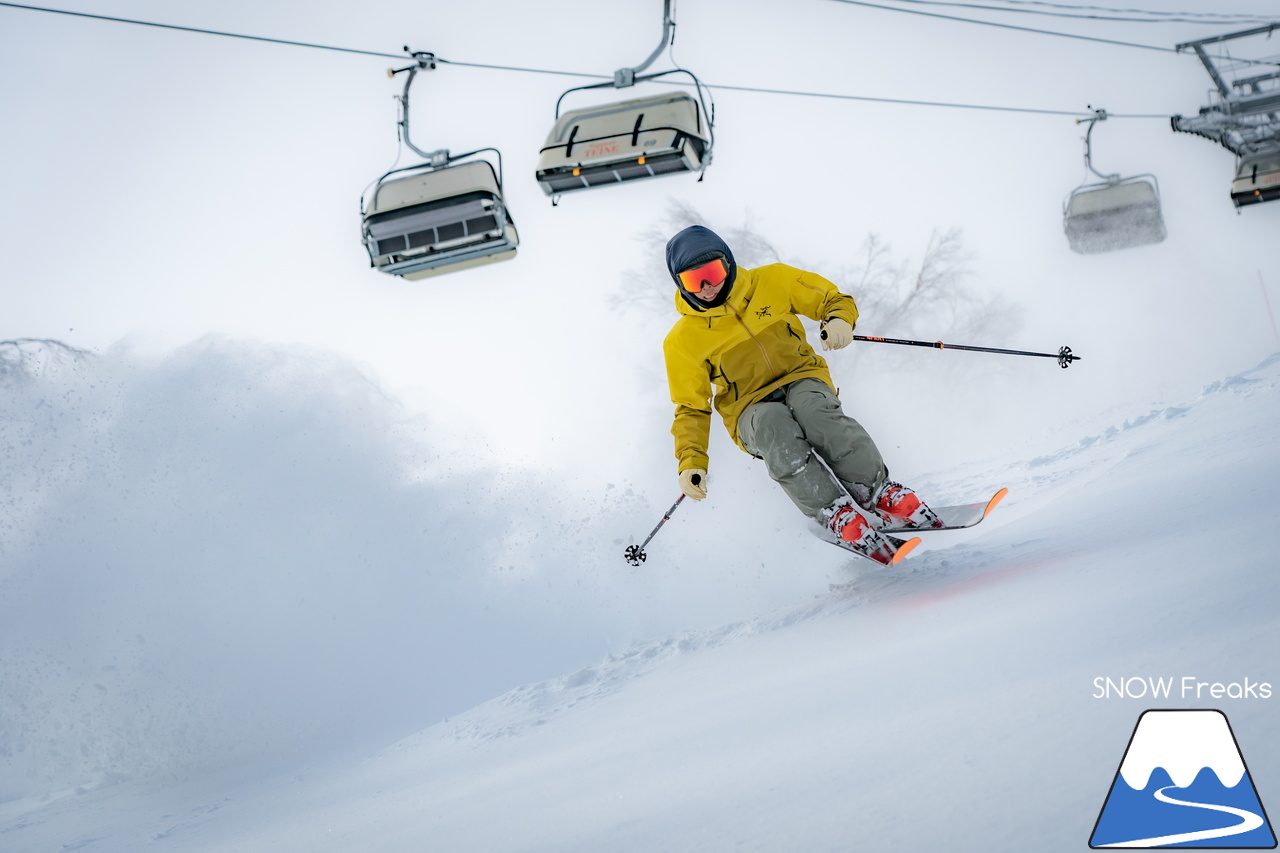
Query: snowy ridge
35	357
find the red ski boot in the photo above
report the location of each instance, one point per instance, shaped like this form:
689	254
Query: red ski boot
899	506
849	525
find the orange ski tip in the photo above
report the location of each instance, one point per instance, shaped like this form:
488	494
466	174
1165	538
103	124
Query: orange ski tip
995	499
907	548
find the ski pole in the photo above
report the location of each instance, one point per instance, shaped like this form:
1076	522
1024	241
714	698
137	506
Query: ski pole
635	553
1063	355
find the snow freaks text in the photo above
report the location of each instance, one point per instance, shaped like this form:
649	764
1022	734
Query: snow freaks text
1186	687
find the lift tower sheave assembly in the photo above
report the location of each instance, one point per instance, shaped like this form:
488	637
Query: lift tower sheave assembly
1243	115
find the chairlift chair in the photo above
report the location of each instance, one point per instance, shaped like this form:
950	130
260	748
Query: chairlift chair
438	221
631	140
439	216
1118	213
1105	217
1257	179
628	141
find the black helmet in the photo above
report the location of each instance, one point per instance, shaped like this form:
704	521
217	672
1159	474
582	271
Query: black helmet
693	247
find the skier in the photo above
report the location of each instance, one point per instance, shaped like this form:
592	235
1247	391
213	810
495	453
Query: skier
739	338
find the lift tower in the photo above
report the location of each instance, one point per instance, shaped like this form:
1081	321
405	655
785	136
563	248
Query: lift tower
1243	115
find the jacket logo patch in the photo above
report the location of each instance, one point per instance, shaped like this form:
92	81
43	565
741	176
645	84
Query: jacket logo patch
764	312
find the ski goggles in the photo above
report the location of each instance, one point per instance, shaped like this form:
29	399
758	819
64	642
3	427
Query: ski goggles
710	274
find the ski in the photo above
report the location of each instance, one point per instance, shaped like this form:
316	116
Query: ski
955	517
901	548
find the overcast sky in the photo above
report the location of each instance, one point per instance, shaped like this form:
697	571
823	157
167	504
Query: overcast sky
157	187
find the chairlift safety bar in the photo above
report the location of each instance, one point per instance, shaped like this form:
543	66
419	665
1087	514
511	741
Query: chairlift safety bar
633	134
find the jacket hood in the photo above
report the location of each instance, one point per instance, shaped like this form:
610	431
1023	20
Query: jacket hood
697	245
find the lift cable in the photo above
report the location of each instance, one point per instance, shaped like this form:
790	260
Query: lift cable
1079	7
1085	13
1029	29
1006	26
197	30
282	41
726	87
924	103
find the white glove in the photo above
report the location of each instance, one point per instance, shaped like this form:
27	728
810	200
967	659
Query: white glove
836	333
693	482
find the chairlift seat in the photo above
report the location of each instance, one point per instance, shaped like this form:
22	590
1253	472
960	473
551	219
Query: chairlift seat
620	142
439	221
1257	179
1113	215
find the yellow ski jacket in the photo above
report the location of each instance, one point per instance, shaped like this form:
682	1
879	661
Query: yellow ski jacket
744	350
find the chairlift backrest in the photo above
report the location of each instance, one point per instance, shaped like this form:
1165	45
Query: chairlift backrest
1094	198
621	142
438	221
477	175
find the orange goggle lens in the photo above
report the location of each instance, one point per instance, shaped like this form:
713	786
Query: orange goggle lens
709	274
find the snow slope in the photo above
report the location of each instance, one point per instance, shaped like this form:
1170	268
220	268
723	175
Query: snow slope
947	704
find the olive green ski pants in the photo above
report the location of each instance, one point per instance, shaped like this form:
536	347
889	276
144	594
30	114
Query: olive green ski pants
797	434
